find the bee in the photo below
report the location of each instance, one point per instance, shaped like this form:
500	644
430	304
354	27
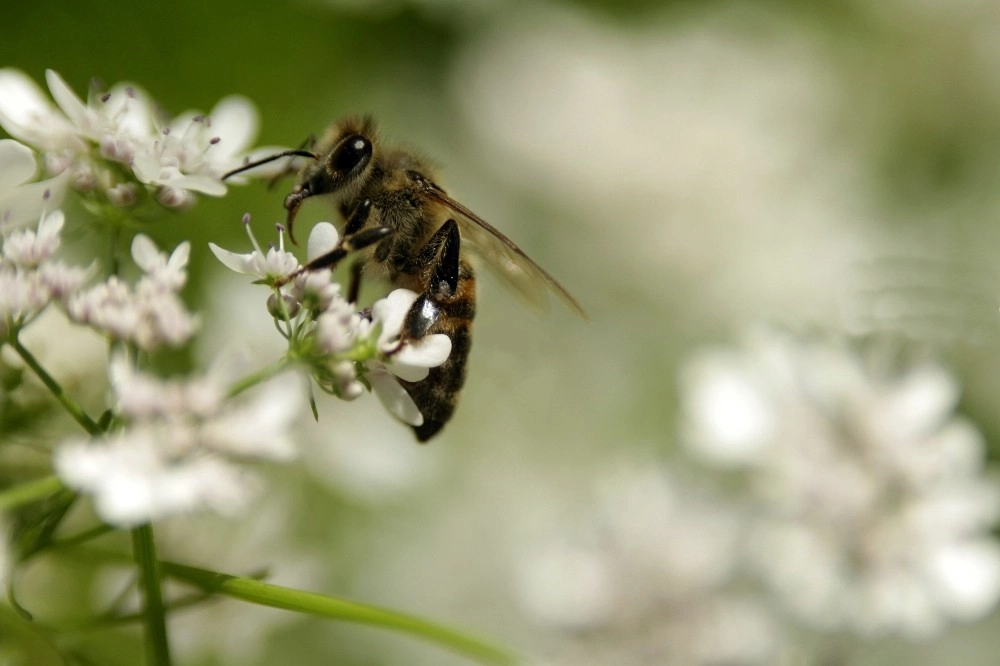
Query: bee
418	237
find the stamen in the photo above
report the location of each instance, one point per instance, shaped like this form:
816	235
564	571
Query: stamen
105	97
253	241
281	236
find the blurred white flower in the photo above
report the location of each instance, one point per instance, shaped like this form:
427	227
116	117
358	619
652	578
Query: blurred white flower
176	158
193	151
28	249
149	315
179	448
30	277
28	115
640	576
865	489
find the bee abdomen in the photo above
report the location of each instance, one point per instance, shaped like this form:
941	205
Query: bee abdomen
437	395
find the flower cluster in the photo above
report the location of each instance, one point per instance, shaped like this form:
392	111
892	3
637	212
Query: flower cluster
30	277
116	148
346	351
178	449
149	315
870	510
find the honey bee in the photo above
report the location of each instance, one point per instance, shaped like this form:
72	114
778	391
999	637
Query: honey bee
418	236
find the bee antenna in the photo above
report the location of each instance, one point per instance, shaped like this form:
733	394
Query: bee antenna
269	158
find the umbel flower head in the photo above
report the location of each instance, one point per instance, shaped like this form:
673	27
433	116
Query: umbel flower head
870	509
116	148
151	313
180	446
31	278
345	351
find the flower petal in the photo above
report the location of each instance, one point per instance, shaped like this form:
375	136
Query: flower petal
322	239
241	263
428	352
394	397
204	184
72	106
24	204
390	313
145	253
235	122
27	114
17	164
133	109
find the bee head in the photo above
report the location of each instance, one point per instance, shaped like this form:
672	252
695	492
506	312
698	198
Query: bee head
340	169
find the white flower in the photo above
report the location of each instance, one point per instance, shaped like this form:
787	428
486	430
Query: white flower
863	484
167	272
640	570
275	265
186	155
151	314
410	361
120	122
179	449
21	200
26	114
28	248
30	277
193	151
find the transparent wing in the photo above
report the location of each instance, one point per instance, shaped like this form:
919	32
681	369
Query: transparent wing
507	260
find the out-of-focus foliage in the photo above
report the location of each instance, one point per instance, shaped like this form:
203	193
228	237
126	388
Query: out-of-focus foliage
689	171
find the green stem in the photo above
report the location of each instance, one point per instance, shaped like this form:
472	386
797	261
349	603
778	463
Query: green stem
68	403
29	492
261	375
300	601
144	551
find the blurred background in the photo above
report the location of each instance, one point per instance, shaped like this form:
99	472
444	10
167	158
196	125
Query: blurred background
731	190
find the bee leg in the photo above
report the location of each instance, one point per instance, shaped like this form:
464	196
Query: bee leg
445	241
354	285
358	217
348	244
435	396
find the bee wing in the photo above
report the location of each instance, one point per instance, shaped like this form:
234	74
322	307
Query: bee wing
505	258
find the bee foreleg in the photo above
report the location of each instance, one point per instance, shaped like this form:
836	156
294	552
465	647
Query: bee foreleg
348	244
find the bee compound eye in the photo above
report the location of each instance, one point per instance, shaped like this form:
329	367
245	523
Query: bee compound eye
350	153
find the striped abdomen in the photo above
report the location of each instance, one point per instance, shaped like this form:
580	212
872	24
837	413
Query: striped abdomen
437	395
